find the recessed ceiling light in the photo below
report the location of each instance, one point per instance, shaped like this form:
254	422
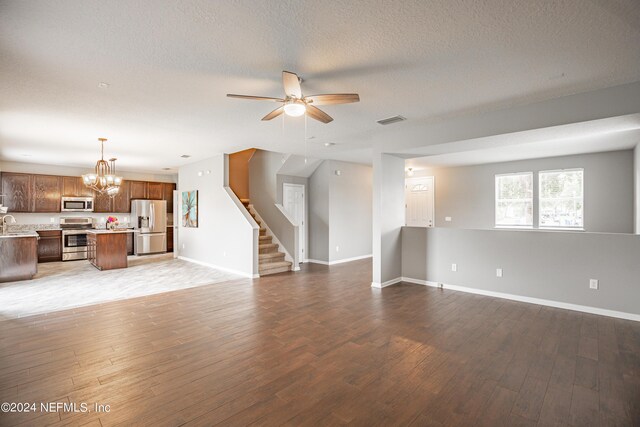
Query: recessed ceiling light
311	137
166	169
185	156
103	85
329	144
26	155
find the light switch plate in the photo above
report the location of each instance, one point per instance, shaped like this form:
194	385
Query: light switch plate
454	267
593	283
498	272
447	218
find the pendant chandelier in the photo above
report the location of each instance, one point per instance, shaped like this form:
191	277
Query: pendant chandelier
104	179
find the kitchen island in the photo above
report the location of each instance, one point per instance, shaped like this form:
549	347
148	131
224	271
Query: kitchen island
18	255
107	249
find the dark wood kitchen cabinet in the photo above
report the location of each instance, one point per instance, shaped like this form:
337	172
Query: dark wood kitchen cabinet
122	201
19	260
138	189
155	190
170	238
18	191
46	193
50	245
102	203
168	195
72	186
129	243
25	192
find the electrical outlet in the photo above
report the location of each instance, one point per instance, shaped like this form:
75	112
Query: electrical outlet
593	283
498	272
337	248
454	267
447	218
52	220
183	246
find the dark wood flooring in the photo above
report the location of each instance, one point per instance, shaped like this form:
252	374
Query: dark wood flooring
320	347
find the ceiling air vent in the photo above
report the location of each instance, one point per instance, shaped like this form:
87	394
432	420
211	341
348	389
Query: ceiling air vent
391	120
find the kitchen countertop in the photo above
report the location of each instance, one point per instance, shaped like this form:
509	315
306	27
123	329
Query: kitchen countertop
16	234
33	227
104	231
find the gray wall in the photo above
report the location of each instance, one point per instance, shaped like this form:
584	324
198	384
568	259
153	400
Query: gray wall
340	217
539	264
636	183
388	217
224	236
319	213
466	194
350	216
414	252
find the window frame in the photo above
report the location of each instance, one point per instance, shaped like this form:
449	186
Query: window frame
539	200
496	201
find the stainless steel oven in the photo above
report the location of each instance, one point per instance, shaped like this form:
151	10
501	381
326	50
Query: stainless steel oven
74	237
77	204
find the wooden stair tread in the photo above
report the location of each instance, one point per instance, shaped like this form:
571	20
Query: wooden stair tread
271	255
270	265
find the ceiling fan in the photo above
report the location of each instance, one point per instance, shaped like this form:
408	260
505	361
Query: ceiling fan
295	105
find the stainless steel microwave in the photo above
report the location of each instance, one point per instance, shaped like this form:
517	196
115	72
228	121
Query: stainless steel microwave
77	204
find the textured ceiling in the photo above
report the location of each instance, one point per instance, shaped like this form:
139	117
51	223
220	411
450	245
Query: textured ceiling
170	63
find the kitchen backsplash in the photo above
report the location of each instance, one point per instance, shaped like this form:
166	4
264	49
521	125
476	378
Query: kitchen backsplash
52	221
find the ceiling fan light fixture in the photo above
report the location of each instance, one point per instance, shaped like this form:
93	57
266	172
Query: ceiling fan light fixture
295	108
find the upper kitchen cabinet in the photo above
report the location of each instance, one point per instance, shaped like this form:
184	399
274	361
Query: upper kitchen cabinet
102	203
168	195
72	186
138	190
46	193
17	189
155	190
122	201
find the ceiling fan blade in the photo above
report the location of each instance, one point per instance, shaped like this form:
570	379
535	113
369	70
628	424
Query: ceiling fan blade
318	114
291	84
332	98
275	113
259	98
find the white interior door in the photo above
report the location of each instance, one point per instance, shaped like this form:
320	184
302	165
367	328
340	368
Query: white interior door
419	202
293	203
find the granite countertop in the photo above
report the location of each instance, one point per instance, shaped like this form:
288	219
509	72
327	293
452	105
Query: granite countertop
18	234
105	231
32	227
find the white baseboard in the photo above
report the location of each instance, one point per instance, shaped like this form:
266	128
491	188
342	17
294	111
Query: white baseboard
387	283
530	300
340	261
217	267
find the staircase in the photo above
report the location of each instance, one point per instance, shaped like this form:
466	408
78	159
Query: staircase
270	260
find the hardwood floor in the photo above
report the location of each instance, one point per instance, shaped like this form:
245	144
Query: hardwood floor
321	347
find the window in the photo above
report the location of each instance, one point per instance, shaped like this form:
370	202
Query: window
514	200
561	198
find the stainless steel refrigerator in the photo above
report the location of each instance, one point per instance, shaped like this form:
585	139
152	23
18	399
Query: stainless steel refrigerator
149	219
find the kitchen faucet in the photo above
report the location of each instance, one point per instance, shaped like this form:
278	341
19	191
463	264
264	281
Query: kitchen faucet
4	222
